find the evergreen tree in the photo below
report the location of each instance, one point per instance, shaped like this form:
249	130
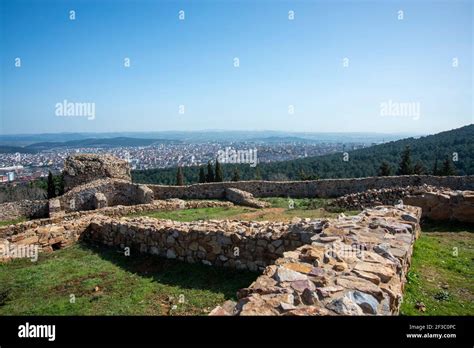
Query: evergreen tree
385	169
219	176
180	177
210	172
236	175
302	175
202	175
51	186
435	167
419	169
448	168
405	163
61	184
258	175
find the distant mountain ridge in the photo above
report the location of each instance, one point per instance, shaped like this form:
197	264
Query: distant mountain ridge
107	142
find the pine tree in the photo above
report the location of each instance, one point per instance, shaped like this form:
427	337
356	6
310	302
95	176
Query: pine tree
180	177
435	167
236	175
61	185
210	172
385	169
419	169
202	175
448	168
51	186
258	176
219	176
405	163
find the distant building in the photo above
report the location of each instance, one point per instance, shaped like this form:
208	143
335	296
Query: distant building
11	176
3	178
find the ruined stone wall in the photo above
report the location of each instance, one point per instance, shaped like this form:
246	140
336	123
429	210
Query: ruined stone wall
25	208
117	211
234	244
347	266
445	205
84	168
354	266
327	188
112	192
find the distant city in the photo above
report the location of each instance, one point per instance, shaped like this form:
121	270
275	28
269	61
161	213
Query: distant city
24	164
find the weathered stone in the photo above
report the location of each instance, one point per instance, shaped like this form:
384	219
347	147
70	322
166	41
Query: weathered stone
287	275
344	306
383	272
367	302
350	282
328	291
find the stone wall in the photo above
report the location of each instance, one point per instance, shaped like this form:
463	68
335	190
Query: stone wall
346	266
234	244
84	168
25	208
445	205
354	266
7	232
437	203
327	188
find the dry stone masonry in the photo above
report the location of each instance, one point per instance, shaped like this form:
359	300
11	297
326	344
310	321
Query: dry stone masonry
353	266
346	266
437	203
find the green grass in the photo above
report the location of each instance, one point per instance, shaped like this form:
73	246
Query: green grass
12	222
198	214
140	285
279	211
442	272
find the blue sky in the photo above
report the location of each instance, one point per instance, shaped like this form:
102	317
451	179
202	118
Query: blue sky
190	63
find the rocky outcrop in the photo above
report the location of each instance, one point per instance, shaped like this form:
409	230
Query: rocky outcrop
240	197
353	266
84	168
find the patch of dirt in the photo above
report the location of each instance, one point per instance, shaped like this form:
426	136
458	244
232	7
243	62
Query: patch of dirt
262	214
74	285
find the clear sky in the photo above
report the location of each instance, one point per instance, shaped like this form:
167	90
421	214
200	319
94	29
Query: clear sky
283	62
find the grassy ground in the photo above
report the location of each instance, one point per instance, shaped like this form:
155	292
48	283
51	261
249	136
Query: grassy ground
11	222
441	277
280	210
105	282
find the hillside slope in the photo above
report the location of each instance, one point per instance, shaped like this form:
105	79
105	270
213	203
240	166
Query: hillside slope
363	162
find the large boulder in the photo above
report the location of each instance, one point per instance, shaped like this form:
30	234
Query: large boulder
84	168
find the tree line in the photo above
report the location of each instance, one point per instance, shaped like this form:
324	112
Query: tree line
446	153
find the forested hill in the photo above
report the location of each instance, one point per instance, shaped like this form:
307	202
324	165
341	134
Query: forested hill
424	153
